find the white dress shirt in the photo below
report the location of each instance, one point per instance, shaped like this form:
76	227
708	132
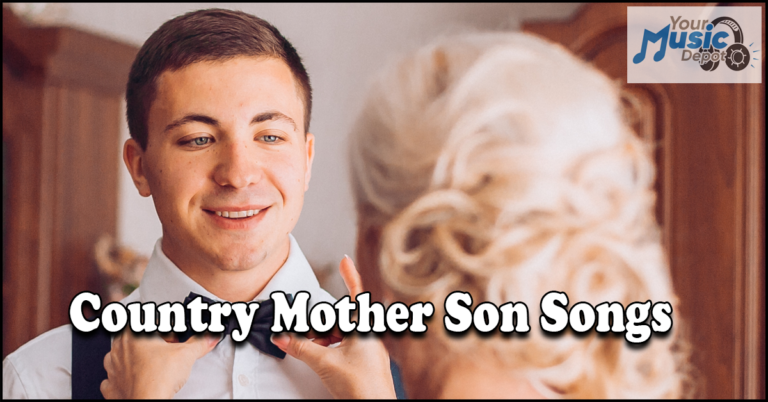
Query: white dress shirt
42	368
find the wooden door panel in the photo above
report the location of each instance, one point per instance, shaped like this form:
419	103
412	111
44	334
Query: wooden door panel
62	90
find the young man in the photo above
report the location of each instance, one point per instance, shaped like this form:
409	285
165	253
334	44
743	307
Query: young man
218	108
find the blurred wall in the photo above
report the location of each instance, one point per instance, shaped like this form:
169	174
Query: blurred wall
343	46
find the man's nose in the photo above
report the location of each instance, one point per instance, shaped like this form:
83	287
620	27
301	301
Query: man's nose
238	166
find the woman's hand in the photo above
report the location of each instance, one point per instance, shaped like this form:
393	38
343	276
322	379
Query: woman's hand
358	367
144	367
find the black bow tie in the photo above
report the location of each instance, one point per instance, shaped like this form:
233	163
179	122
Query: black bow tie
260	333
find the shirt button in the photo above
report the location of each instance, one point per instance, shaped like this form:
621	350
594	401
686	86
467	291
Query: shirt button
243	380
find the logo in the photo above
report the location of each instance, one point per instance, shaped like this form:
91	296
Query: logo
691	44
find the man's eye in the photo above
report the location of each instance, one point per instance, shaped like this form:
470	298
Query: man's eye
200	141
270	138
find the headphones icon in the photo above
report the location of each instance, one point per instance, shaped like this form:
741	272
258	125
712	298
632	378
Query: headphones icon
736	55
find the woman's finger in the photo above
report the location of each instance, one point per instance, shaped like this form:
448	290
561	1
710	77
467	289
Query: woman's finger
302	349
108	363
351	277
105	389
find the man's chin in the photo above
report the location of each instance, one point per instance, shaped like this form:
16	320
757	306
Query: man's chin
225	253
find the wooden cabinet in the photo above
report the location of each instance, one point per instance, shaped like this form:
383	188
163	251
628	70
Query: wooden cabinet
62	91
710	157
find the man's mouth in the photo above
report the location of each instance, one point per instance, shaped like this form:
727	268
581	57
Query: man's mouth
237	214
240	214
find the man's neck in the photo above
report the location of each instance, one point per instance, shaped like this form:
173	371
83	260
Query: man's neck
230	285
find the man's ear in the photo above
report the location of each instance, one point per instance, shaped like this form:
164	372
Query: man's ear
133	156
310	143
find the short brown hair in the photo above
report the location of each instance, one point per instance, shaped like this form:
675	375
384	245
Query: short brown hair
205	35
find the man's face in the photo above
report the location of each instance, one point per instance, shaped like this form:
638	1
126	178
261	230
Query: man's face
225	140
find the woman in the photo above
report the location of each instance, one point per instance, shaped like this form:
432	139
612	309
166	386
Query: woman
499	164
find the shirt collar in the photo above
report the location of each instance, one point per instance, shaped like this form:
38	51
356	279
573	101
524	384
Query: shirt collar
164	282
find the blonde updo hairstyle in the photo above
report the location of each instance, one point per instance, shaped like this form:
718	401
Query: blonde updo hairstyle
500	164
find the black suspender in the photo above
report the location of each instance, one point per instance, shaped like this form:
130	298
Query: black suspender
88	351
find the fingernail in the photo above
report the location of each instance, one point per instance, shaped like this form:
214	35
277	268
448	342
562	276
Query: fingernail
280	340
